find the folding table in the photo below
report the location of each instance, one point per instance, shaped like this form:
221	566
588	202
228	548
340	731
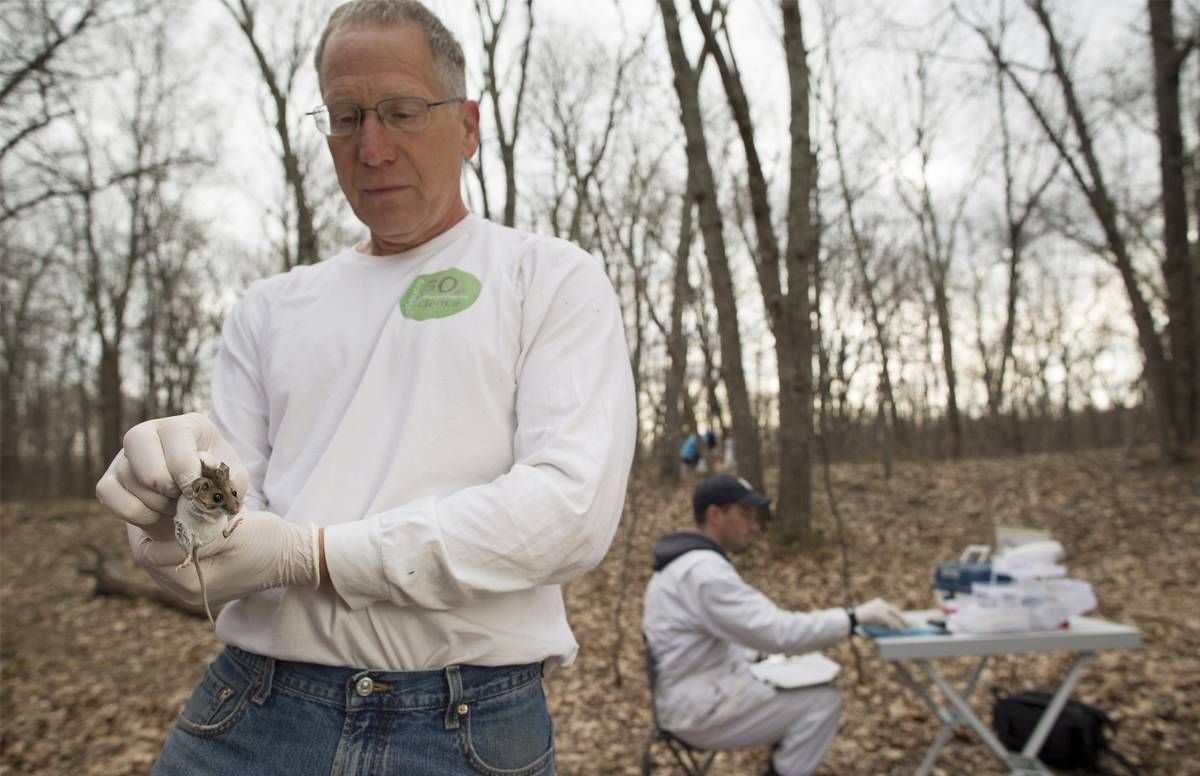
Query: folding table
1085	636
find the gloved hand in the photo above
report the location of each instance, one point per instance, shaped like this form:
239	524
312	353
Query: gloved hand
879	612
263	552
160	456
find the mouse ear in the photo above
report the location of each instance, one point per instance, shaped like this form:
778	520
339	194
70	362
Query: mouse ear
225	469
201	486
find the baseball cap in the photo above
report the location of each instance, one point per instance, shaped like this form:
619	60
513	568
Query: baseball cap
722	489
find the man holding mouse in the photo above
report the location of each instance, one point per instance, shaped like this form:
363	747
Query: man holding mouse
432	430
704	626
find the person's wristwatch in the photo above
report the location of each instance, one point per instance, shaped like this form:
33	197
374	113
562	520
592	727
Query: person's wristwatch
853	620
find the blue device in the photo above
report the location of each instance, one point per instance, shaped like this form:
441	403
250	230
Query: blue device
956	578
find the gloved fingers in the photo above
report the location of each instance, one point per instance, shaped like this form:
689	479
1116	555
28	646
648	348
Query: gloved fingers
181	583
879	612
162	531
892	617
261	552
151	552
148	461
125	497
181	438
152	500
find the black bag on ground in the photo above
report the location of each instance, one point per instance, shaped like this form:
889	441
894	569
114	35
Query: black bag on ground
1077	740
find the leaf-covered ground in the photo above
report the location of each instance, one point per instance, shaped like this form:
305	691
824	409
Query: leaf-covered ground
90	685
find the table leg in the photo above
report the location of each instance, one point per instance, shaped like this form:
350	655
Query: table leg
949	718
1017	763
1050	715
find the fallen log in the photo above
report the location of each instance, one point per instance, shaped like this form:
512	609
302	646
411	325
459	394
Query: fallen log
111	580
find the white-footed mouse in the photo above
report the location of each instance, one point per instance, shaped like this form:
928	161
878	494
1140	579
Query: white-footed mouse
202	514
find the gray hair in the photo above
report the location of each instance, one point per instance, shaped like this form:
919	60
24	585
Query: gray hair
448	61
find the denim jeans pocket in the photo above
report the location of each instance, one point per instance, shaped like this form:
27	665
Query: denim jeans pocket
510	734
218	701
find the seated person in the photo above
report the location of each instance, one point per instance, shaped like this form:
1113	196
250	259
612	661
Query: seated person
704	626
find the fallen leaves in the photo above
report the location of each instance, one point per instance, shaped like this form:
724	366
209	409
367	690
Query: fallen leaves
91	685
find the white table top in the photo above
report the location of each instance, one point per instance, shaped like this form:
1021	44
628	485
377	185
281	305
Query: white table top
1085	634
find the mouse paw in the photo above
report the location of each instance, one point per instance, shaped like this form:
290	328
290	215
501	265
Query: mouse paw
234	523
186	562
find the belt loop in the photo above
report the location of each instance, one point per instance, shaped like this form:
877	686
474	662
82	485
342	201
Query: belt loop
263	681
454	683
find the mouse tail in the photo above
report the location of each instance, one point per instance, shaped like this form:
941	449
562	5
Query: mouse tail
203	589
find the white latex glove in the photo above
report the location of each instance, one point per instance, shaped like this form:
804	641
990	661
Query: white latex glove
160	456
879	612
263	552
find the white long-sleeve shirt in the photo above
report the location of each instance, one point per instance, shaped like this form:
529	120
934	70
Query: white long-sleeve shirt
460	420
703	624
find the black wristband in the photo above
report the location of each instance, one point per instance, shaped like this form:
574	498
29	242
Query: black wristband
853	620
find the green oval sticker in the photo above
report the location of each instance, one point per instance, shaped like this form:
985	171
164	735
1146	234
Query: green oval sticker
439	295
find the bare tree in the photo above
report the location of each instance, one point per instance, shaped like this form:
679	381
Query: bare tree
839	353
1019	209
1183	324
279	76
937	237
495	85
116	230
745	427
569	117
783	273
625	230
888	418
179	319
1083	163
22	334
48	56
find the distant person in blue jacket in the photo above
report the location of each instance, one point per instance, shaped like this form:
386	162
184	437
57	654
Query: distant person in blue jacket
689	452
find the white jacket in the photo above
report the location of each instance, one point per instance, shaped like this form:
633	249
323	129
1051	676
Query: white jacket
704	626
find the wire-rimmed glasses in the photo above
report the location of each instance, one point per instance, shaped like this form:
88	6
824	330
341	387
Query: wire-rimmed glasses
400	114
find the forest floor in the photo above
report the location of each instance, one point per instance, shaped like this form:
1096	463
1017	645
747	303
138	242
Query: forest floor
90	685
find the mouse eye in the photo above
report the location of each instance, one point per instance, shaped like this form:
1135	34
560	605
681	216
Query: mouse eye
234	492
218	498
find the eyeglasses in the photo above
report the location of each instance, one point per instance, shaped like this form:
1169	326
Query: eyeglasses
399	114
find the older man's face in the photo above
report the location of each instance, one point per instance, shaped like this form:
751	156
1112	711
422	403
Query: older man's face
403	185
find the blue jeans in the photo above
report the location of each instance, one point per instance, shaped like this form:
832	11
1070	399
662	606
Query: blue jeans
253	716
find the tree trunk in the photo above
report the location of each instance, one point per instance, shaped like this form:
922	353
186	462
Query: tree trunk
1181	304
795	351
89	463
10	433
709	376
745	427
112	428
942	303
787	310
674	390
639	286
